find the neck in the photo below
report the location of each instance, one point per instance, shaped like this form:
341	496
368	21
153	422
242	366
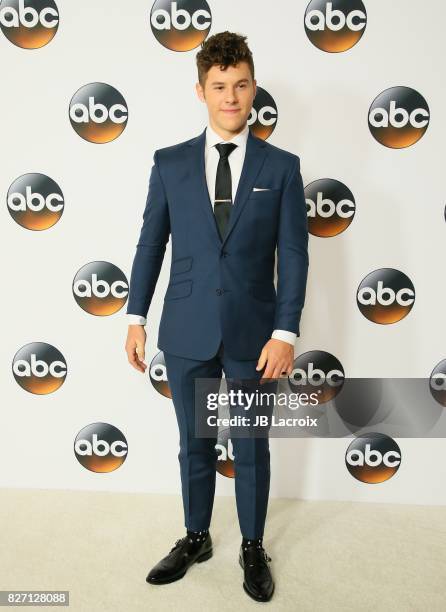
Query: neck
226	134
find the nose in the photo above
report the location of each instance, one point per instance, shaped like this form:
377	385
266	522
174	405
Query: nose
231	97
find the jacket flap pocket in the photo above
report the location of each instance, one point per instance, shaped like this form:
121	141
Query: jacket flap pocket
183	264
178	290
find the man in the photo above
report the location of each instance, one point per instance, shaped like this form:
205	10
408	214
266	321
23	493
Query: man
221	311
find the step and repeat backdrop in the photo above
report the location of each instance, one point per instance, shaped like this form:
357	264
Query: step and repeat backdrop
89	91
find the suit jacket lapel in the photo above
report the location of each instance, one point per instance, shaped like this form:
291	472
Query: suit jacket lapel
198	173
254	158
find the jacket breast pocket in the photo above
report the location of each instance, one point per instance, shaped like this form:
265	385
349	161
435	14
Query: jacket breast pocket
267	195
180	289
183	264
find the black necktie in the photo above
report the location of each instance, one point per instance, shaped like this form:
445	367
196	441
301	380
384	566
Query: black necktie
223	187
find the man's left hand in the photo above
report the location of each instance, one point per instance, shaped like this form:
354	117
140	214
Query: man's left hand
278	356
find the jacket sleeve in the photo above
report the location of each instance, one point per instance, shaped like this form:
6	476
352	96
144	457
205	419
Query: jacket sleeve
292	253
151	245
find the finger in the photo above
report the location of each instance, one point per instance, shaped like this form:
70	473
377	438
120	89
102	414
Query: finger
262	359
141	364
140	351
285	369
131	356
266	374
274	370
135	362
277	372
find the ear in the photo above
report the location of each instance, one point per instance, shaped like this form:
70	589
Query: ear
199	91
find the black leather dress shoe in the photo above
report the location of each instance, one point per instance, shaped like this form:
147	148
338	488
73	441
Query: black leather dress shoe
174	565
258	582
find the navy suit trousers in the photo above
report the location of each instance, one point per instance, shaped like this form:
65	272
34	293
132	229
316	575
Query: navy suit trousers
198	456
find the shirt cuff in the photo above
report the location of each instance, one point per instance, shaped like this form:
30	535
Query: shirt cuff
134	319
285	335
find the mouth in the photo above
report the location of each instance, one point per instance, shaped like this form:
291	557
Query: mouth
231	111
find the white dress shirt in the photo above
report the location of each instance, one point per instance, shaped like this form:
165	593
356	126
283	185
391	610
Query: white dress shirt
236	158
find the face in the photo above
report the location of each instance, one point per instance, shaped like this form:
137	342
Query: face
229	95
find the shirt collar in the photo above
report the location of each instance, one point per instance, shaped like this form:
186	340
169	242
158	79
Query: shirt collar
212	138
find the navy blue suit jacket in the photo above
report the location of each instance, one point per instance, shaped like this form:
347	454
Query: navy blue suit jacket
223	290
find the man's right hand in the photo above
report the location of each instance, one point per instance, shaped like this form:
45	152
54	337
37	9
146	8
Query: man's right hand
135	347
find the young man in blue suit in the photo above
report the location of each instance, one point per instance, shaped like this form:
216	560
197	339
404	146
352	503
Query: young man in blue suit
228	199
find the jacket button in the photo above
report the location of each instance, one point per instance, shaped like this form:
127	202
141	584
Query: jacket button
218	291
224	253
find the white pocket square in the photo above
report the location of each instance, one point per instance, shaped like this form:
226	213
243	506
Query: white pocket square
261	189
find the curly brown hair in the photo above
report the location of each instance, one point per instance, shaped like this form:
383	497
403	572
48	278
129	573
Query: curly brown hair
224	49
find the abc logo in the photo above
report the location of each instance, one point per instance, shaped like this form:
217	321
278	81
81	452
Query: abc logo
98	112
158	375
100	447
335	26
225	453
263	116
437	383
180	25
398	117
100	288
330	207
35	201
385	296
373	457
320	370
39	368
29	25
